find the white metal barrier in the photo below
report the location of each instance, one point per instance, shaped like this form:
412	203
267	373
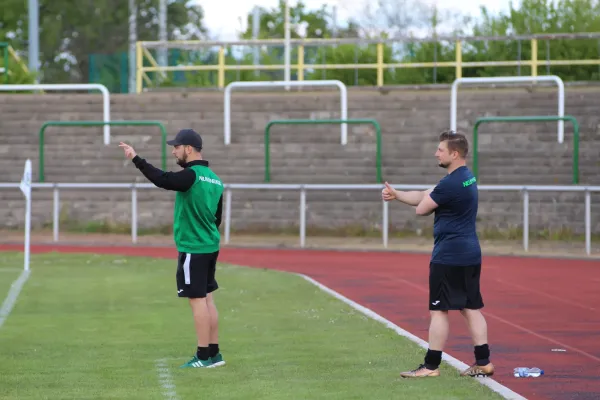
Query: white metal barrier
513	79
71	87
303	189
255	84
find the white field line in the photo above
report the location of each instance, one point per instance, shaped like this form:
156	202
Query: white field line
13	293
459	365
166	380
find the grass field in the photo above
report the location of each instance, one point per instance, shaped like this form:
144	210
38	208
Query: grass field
96	327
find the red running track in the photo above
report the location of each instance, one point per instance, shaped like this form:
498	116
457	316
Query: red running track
533	306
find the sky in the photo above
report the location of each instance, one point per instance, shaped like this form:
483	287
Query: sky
222	17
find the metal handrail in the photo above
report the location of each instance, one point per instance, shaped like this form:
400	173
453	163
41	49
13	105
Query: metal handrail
524	189
377	63
372	122
534	118
161	126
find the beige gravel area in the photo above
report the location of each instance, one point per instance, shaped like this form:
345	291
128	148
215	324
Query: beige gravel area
495	247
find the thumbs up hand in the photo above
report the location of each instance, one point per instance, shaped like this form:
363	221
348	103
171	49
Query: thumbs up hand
388	193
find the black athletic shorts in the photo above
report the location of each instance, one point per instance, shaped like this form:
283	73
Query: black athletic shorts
454	287
196	274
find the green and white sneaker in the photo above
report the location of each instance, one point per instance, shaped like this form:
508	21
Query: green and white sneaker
195	362
217	360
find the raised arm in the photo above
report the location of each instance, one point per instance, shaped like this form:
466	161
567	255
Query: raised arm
412	198
179	181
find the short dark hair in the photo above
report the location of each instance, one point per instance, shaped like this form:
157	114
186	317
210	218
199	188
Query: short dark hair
456	142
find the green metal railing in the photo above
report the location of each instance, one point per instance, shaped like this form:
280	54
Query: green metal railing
320	122
529	119
102	123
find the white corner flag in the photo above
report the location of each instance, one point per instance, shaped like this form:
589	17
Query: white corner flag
26	189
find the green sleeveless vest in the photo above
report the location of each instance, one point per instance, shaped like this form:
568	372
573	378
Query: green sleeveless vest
194	228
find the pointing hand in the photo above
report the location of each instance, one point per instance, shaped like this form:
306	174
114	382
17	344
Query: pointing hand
129	151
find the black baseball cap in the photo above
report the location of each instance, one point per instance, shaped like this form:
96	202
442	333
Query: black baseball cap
187	137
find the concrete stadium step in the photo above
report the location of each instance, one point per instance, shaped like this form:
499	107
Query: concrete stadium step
524	173
256	176
563	200
516	164
277	176
524	153
526	180
215	157
323	207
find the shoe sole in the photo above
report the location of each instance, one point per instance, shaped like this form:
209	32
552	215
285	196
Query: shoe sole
480	375
193	366
419	376
218	364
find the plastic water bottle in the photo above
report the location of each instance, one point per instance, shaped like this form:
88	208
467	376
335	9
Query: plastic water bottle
524	372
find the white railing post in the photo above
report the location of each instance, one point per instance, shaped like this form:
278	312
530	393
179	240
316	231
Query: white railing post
525	219
587	190
56	213
588	222
385	223
257	84
512	79
71	87
227	215
302	216
134	216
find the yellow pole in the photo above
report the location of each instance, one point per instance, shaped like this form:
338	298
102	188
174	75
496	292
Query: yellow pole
221	67
534	57
138	68
300	62
380	64
458	59
16	57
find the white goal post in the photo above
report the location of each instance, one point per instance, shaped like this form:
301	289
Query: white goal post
255	84
512	79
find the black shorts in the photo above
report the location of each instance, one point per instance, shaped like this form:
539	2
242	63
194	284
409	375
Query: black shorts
196	274
454	287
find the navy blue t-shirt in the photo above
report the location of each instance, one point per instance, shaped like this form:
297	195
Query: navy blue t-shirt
454	228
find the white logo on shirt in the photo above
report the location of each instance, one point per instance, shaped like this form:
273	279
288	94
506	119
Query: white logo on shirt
209	180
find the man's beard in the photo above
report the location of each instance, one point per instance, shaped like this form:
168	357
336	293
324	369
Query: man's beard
182	162
443	165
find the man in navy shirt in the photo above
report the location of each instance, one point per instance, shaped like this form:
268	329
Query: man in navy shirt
455	267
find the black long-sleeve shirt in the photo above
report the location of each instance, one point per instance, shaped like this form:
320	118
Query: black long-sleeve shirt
179	181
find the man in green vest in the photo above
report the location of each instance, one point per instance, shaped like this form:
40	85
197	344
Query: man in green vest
197	217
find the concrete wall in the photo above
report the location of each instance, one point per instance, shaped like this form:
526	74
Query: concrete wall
410	120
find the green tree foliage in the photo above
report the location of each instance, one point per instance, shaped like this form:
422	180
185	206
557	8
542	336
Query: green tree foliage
317	24
272	22
314	24
14	72
530	17
70	31
544	17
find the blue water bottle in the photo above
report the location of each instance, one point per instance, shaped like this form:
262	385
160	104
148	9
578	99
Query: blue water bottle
524	372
